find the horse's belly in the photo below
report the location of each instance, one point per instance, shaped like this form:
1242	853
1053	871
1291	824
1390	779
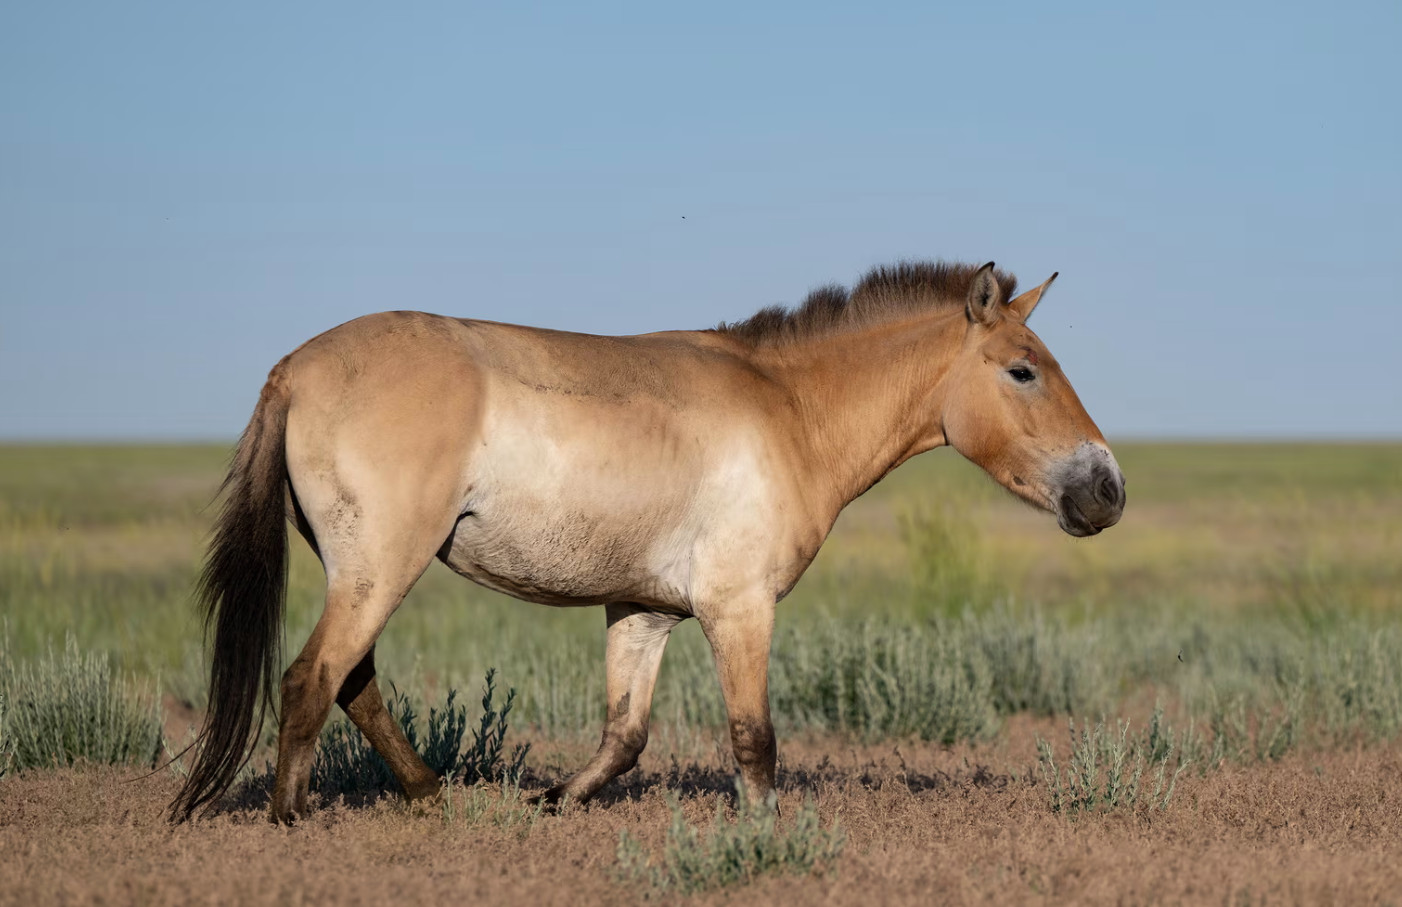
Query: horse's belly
573	560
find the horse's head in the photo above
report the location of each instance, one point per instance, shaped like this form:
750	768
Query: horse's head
1011	410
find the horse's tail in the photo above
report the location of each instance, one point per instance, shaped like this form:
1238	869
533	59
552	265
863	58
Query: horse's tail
242	592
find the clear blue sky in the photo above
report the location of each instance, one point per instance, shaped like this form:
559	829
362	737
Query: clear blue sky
188	191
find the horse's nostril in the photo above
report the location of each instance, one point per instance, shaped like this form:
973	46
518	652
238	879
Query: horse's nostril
1107	491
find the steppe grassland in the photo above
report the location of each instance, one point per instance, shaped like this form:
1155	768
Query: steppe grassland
1225	548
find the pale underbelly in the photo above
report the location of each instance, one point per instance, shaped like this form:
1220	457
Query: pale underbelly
573	562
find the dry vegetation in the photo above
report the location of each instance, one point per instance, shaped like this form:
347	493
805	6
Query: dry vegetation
925	672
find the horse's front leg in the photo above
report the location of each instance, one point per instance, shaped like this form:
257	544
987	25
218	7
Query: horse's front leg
740	636
637	638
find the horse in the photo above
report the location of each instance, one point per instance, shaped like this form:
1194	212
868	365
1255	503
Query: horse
665	476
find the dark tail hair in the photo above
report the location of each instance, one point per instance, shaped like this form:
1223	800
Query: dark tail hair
242	592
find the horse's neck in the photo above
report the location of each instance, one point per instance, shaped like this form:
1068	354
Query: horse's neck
869	400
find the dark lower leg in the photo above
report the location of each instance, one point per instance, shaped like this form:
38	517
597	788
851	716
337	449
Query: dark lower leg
307	695
618	752
740	641
340	641
360	699
756	753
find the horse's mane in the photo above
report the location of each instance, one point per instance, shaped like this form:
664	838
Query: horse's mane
886	293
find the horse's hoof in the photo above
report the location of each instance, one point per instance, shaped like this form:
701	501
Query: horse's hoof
283	818
552	801
423	791
287	813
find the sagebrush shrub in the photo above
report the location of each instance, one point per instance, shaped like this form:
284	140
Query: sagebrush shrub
1358	676
346	763
74	707
1039	664
1106	767
880	679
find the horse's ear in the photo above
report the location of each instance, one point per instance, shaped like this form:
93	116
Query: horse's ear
985	302
1023	305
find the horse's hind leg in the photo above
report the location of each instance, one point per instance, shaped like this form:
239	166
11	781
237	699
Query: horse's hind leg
636	640
360	699
345	634
337	664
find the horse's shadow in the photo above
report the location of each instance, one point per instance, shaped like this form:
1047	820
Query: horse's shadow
692	780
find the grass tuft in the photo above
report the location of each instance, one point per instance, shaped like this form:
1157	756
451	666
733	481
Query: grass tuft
1106	768
7	741
502	806
74	707
737	852
1243	732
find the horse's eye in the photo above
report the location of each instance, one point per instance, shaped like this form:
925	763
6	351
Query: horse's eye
1021	374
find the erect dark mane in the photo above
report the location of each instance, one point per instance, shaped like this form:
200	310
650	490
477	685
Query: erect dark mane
886	293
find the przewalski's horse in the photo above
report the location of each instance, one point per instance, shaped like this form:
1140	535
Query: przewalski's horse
663	476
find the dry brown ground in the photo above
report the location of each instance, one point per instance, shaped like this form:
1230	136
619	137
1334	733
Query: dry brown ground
923	825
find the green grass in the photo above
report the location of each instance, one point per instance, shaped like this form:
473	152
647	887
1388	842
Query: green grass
938	607
735	850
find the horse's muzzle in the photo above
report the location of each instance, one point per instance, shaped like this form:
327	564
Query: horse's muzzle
1093	495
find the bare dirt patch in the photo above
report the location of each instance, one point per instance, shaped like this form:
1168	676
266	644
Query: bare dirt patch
959	825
